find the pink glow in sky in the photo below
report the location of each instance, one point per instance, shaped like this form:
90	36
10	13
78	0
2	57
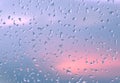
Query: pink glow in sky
82	64
88	65
15	20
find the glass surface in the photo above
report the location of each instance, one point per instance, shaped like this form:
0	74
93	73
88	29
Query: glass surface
59	41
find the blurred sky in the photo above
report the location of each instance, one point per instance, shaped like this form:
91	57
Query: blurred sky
65	41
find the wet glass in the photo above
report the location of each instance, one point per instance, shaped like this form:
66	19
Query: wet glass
59	41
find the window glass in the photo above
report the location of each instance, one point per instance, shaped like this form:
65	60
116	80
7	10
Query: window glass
59	41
